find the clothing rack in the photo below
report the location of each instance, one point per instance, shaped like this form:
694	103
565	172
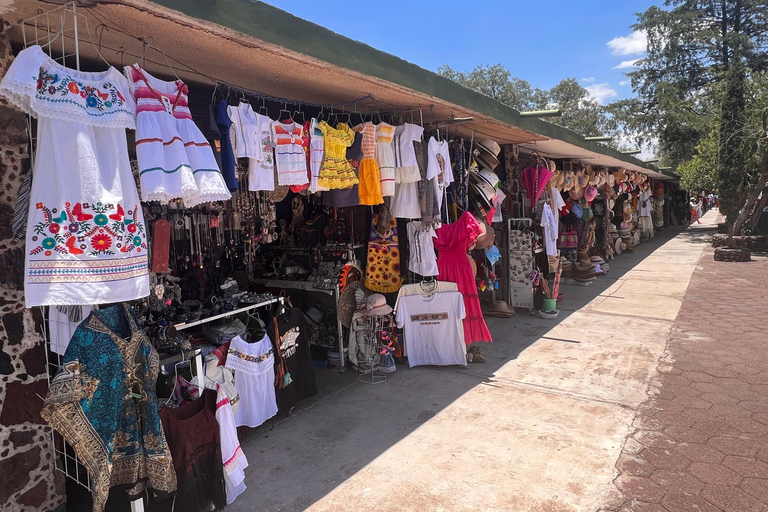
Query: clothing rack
187	325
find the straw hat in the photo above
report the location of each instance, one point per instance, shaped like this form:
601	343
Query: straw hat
621	175
576	193
590	175
551	165
560	180
569	181
611	179
582	180
619	246
487	153
553	179
597	260
277	195
585	264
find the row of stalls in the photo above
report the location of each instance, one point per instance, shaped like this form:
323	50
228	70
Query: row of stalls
207	249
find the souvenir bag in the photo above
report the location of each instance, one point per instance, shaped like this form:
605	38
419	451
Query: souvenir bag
568	238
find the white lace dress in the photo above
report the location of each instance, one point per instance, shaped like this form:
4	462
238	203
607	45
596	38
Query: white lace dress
86	240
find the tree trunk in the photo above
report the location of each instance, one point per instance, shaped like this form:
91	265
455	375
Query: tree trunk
755	218
735	228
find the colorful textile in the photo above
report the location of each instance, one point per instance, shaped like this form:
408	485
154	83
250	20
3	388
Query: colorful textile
385	158
194	439
290	156
175	160
336	171
102	401
85	235
382	271
232	456
452	243
368	172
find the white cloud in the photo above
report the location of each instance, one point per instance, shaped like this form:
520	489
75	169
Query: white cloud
627	64
601	92
587	80
624	83
633	44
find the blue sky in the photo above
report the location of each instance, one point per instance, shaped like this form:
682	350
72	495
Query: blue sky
540	41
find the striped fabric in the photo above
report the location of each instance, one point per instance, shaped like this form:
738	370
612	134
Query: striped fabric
21	210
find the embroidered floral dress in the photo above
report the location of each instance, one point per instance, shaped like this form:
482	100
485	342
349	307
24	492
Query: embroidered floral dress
86	241
102	401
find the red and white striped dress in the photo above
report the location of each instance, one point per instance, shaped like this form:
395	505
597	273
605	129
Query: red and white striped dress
175	160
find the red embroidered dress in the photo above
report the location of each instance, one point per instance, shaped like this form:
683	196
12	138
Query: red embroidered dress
86	241
175	159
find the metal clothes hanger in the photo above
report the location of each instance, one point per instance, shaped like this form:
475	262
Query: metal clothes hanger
284	109
263	110
299	111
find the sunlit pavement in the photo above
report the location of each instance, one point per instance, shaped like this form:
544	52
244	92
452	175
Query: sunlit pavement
539	427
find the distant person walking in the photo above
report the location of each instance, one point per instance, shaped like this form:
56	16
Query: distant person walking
694	210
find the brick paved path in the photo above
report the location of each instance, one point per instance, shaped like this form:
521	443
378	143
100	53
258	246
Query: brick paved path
701	441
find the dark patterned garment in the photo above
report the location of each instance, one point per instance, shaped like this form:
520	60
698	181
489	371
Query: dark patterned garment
195	443
102	401
460	174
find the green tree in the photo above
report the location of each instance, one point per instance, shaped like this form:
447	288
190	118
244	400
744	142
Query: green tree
697	48
579	112
496	82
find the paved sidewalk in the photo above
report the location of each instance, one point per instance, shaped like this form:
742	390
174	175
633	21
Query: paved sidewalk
538	428
701	441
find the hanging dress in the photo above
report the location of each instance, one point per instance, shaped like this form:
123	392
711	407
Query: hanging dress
290	157
382	271
385	157
175	160
254	367
336	171
317	154
102	401
368	172
227	154
86	242
452	243
194	438
251	138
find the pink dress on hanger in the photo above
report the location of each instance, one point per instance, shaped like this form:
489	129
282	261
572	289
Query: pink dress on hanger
452	243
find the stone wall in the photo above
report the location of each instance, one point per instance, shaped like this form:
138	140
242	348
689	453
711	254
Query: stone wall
753	243
28	480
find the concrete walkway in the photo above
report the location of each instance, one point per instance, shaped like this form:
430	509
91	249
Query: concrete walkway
539	427
701	441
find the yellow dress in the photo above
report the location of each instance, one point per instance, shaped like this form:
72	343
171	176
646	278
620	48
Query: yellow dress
336	171
369	175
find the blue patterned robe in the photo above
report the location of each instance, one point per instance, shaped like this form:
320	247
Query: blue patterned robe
102	401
